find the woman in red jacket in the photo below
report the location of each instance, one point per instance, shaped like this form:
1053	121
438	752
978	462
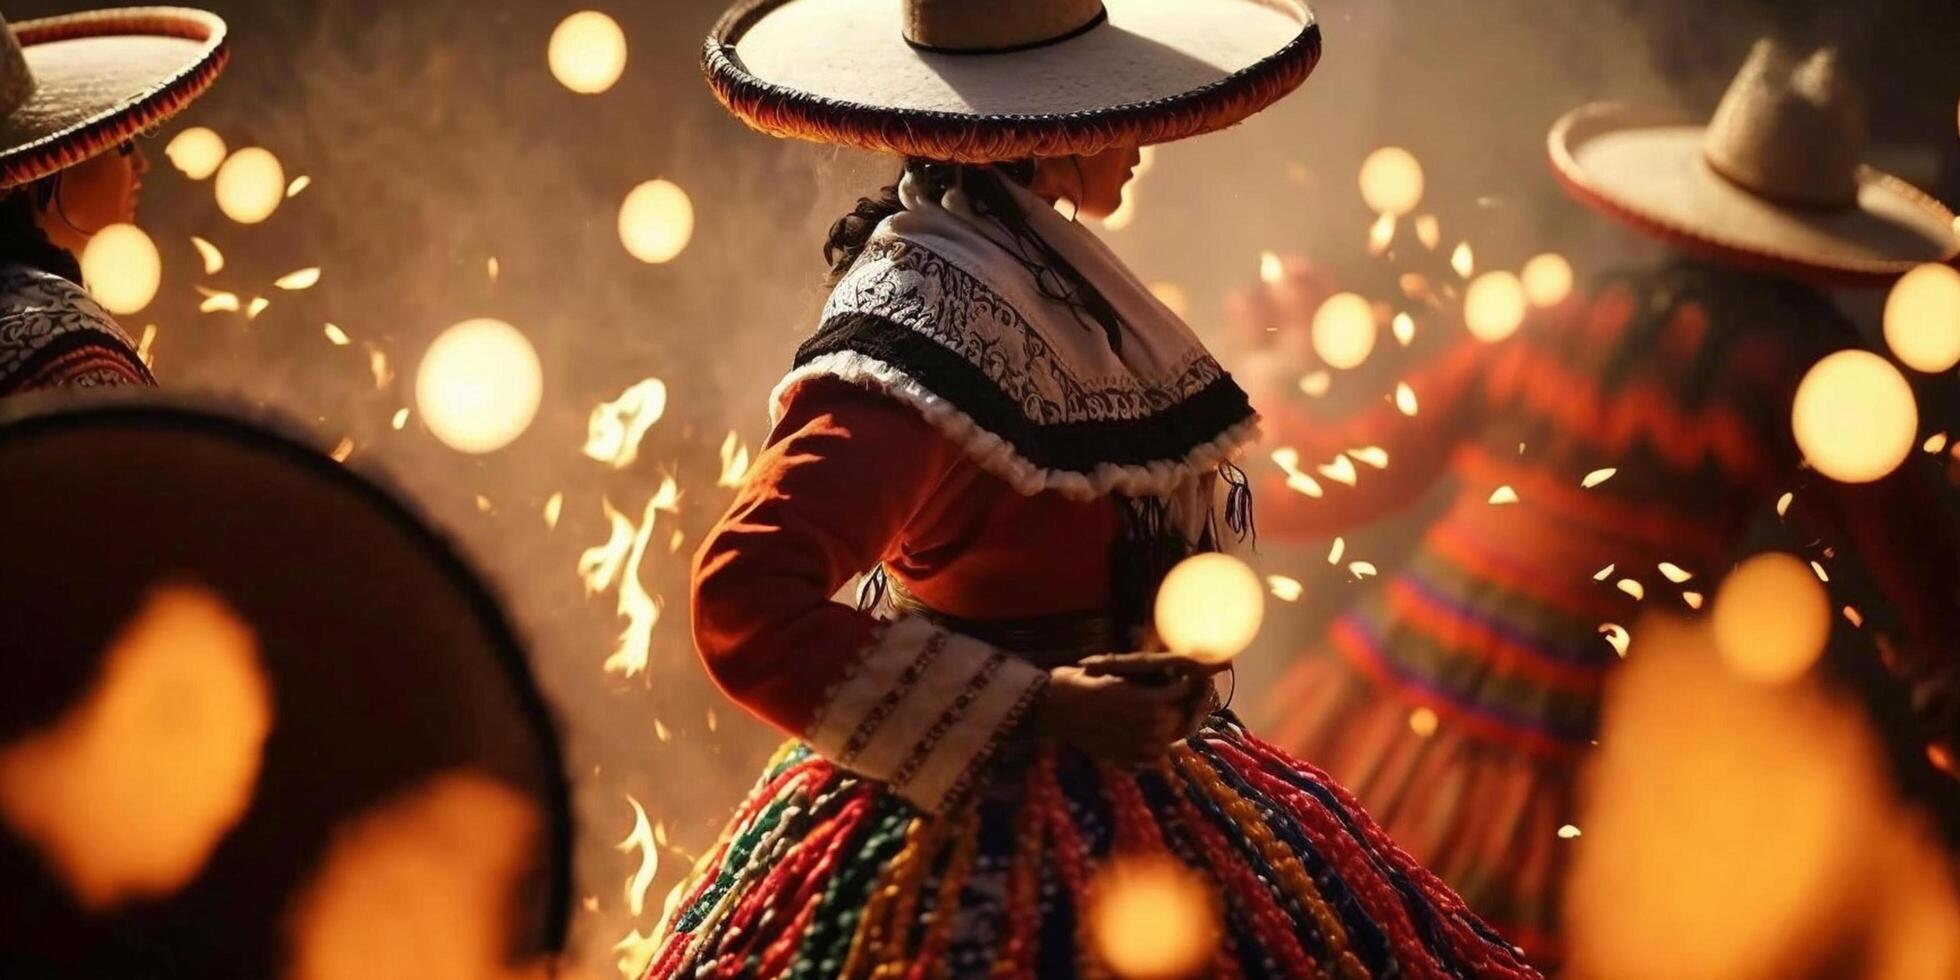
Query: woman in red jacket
999	416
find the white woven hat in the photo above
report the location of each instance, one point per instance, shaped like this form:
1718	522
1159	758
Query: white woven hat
988	80
1774	181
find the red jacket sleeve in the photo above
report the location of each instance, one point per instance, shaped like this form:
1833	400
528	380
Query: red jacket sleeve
829	497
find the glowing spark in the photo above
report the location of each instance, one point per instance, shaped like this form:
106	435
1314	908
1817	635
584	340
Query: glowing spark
250	185
1935	443
656	221
215	301
635	953
1362	569
587	52
482	504
674	542
214	260
121	266
1568	832
553	507
196	152
1335	551
479	385
378	366
342	450
1391	181
336	336
1380	234
298	184
1423	722
299	279
1316	384
1344	331
1783	504
1854	617
256	307
1675	573
614	429
1271	271
1341	470
1416	287
660	731
1504	495
1854	416
1404	328
1405	399
143	346
1429	231
1693	599
1616	637
1374	456
641	839
1547	279
1597	477
1284	589
1288	460
714	721
734	462
1819	569
1463	260
491	268
1494	306
1604	573
1632	588
1922	319
400	419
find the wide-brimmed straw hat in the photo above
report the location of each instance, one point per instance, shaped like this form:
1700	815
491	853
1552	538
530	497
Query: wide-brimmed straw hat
75	85
1775	181
976	81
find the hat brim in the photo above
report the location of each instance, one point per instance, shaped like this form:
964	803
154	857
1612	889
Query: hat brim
101	78
388	660
1646	168
841	71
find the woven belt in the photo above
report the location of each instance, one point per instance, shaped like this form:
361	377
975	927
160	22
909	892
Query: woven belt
1046	641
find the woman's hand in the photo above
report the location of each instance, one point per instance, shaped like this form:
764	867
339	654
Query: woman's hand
1126	708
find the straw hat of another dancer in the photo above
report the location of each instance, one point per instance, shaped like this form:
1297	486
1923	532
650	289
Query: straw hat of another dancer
978	81
76	85
1775	181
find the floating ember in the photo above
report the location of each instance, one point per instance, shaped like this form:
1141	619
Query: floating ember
587	52
1547	279
1494	306
298	279
479	385
214	260
122	268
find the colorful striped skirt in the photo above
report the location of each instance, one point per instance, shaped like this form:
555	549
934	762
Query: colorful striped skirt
1483	813
823	874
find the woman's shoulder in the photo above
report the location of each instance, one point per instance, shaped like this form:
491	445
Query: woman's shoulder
52	332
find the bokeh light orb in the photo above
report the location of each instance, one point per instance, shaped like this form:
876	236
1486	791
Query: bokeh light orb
1922	319
250	185
587	52
1152	918
1344	330
479	385
1494	306
1771	618
1854	416
1210	607
1547	279
1391	181
656	221
121	266
196	152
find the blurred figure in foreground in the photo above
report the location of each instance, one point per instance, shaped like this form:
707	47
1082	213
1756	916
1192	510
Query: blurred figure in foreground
75	93
1615	450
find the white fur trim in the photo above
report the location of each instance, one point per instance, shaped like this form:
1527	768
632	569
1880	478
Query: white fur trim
997	456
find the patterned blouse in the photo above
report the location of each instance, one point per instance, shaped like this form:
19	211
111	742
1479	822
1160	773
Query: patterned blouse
53	335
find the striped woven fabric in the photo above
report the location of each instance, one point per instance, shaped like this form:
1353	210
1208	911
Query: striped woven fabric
824	874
